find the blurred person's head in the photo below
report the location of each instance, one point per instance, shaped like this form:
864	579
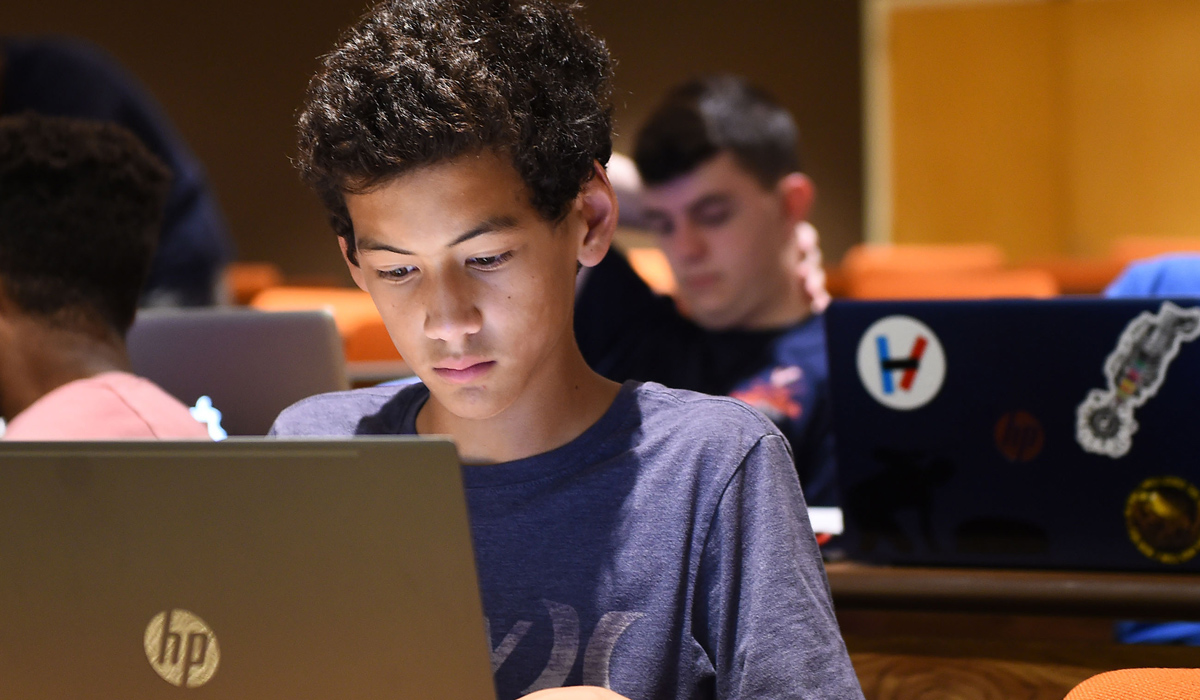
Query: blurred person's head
722	185
81	204
459	150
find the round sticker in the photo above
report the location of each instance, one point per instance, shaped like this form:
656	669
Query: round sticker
1163	519
901	362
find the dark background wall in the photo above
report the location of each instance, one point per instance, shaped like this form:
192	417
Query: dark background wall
231	73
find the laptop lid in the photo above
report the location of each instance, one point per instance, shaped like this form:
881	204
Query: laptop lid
1052	433
244	569
251	364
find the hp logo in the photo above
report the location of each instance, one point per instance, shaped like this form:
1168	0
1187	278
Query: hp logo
182	649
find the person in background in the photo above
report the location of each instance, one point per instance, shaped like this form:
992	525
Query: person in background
1171	275
70	78
80	209
646	541
724	190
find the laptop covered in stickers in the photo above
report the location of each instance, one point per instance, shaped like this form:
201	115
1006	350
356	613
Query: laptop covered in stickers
1025	433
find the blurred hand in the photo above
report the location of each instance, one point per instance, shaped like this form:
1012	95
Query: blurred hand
579	692
810	269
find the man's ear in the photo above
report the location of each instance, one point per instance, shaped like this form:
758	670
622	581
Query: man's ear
598	206
356	272
798	193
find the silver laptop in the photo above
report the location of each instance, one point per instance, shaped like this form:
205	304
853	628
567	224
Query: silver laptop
250	364
243	569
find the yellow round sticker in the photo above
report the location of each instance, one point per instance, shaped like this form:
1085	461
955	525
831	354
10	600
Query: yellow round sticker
1163	518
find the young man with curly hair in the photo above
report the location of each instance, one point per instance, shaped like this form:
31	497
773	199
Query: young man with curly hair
723	188
81	204
633	538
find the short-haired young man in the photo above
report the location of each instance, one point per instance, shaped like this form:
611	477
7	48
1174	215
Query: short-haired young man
633	537
724	190
81	204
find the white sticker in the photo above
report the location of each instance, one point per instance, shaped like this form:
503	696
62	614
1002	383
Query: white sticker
1135	370
901	362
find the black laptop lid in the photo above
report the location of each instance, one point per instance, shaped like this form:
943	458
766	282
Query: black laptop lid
1055	433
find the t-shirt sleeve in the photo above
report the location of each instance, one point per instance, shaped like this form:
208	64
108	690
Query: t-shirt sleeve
764	613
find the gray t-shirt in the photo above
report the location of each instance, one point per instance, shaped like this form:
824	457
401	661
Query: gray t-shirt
664	553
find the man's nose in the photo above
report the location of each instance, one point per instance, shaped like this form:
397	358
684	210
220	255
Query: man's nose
451	312
687	243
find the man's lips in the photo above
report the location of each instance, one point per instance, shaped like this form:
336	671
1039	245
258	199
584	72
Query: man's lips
699	281
464	370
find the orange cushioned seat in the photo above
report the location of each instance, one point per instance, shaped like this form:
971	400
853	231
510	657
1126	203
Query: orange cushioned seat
652	266
1081	275
1140	684
365	337
1132	248
871	258
992	284
245	280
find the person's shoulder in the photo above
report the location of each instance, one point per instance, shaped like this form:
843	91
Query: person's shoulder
804	344
339	413
684	439
807	334
700	418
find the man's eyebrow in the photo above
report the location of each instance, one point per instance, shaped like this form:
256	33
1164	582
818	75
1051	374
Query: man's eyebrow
709	200
492	225
368	243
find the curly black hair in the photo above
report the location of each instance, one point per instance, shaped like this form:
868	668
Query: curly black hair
81	206
704	116
418	82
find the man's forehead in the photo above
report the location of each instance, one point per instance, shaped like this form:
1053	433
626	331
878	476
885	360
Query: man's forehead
719	176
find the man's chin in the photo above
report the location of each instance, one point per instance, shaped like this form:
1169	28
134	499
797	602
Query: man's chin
468	402
710	317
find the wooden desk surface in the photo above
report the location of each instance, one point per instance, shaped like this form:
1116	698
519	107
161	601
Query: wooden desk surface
919	633
1087	593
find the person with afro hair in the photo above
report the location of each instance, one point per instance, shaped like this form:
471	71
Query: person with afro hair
81	204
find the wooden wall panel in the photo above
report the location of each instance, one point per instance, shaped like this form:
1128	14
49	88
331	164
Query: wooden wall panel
1048	127
976	120
1135	120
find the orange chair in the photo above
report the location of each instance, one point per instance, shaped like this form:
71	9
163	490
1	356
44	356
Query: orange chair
651	265
365	337
1131	248
953	285
244	280
1140	684
1081	275
869	258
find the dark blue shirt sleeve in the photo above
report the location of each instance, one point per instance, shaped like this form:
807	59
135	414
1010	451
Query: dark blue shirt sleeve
621	325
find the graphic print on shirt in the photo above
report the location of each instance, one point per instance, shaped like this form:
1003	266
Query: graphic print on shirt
901	362
1104	422
776	396
564	621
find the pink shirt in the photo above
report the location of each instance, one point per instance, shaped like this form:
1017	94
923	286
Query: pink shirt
108	406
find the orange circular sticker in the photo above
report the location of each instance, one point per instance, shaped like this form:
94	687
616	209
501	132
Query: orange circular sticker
1163	518
1019	436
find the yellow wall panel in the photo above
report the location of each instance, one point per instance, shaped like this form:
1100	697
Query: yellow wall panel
1134	120
976	126
1047	127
